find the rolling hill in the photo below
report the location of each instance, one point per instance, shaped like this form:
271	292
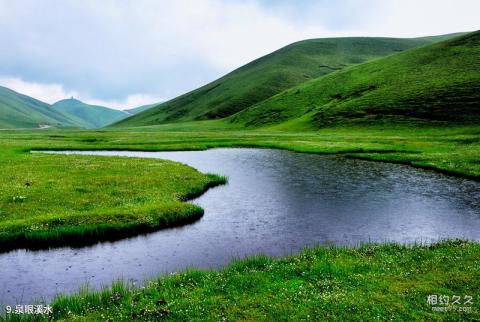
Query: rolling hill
435	83
21	111
88	116
271	74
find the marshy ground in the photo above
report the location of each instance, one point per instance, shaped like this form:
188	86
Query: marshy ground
89	196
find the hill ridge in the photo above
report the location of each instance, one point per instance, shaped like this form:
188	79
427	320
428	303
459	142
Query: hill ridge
89	116
270	74
434	83
22	111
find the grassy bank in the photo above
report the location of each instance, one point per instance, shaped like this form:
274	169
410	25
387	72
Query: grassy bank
71	199
49	200
371	282
56	199
447	148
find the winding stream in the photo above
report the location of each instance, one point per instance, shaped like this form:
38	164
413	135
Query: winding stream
276	203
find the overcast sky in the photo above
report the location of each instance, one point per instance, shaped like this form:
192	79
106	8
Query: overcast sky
123	53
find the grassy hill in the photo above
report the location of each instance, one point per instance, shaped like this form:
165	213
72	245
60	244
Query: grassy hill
88	116
435	83
21	111
140	109
271	74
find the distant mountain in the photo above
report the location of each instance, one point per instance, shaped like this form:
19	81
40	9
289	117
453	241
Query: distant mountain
140	109
88	116
435	83
271	74
21	111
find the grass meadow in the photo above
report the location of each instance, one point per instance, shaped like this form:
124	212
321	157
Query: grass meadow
49	200
368	282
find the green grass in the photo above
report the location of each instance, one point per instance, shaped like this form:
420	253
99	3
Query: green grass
271	74
58	199
48	200
83	199
365	283
419	107
435	84
376	282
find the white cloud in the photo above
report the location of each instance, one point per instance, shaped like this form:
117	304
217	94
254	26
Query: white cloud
113	51
411	18
49	93
230	34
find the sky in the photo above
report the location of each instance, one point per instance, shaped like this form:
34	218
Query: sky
123	54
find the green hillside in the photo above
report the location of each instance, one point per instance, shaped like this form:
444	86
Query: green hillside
140	109
88	116
21	111
440	82
271	74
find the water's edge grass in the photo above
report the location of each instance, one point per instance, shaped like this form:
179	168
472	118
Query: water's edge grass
413	164
376	155
85	235
385	281
388	281
434	149
139	203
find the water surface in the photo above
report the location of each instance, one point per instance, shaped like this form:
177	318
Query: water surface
276	202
